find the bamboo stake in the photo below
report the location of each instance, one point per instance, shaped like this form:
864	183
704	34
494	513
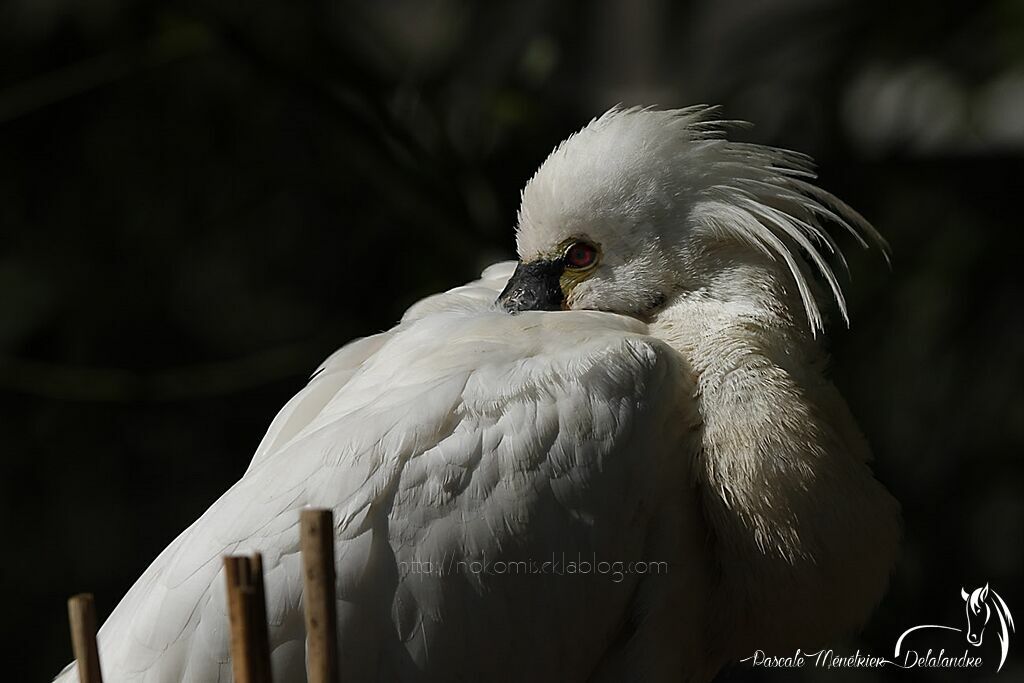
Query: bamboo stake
247	607
82	617
321	618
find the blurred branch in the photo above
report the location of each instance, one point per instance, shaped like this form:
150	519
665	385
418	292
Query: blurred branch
331	76
76	383
178	41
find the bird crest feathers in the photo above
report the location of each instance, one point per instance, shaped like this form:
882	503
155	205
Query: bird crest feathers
760	195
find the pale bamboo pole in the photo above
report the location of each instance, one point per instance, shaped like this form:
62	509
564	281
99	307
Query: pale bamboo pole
318	597
247	608
82	618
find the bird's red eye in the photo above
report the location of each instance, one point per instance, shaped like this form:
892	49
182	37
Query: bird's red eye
580	255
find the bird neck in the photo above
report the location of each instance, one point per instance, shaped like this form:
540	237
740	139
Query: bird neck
802	536
744	306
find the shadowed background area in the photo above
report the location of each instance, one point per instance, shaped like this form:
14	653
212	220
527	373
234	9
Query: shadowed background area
200	201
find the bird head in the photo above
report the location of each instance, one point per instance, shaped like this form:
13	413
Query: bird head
637	206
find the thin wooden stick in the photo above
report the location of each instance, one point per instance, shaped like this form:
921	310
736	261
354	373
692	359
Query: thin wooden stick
247	607
321	618
82	617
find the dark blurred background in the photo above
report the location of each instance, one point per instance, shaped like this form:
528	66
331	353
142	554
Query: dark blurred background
200	200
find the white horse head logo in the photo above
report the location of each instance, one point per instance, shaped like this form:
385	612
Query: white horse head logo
980	604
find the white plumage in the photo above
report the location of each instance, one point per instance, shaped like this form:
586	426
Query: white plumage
675	412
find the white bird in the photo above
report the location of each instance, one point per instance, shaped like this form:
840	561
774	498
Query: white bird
657	397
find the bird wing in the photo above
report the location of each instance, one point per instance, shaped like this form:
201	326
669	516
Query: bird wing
339	367
474	462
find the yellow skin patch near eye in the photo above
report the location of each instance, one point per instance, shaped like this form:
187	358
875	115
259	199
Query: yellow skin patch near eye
573	276
569	280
